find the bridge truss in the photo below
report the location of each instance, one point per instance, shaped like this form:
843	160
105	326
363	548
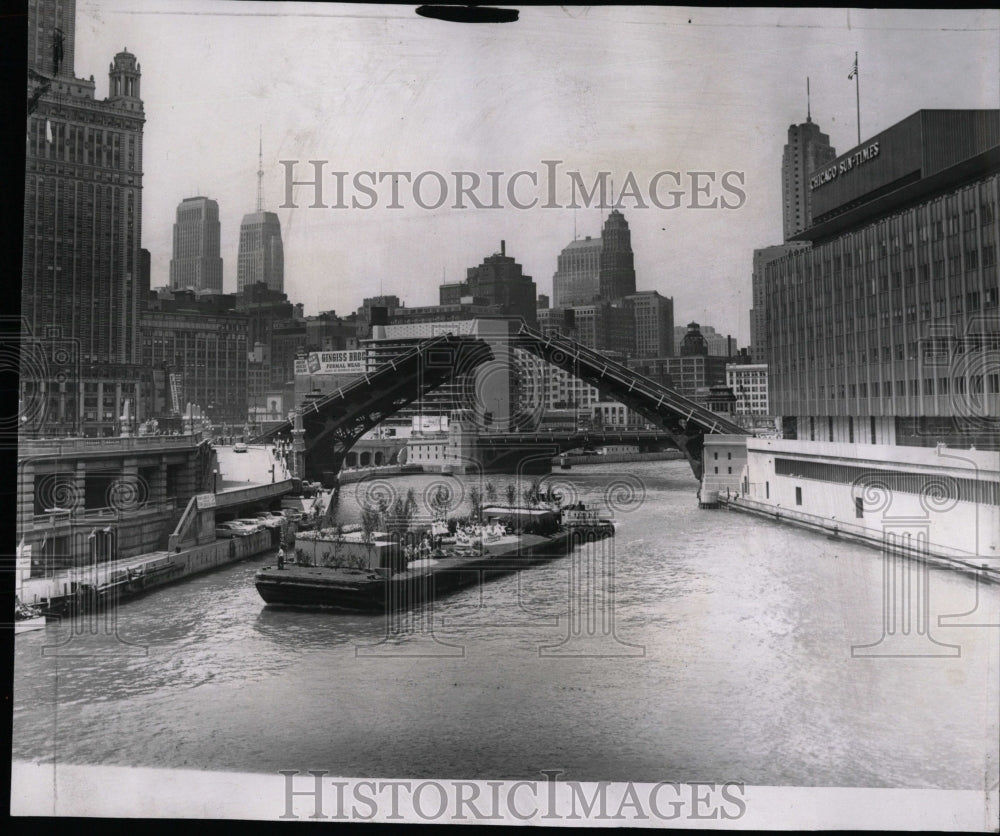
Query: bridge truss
685	422
334	422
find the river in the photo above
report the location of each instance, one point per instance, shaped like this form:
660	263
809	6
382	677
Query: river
730	660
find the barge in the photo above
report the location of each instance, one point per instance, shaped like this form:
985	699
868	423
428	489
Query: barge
445	570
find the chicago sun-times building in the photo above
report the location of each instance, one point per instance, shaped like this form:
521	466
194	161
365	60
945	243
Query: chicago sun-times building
882	336
885	330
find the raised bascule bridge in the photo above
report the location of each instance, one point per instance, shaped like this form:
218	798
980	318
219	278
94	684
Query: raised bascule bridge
325	428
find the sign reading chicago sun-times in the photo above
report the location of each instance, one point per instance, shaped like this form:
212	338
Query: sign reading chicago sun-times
332	362
858	158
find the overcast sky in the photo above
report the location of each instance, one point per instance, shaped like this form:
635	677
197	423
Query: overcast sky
640	90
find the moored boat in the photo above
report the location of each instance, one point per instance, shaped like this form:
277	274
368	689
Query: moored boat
27	618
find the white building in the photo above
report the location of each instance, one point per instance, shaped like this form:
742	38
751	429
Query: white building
749	384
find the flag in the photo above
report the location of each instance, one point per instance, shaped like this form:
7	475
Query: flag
48	131
854	69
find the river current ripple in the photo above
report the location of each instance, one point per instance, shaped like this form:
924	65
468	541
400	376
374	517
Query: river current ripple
730	660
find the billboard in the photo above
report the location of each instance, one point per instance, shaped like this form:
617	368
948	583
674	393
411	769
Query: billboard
430	423
332	362
175	392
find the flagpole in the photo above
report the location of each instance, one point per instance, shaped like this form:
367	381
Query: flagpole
857	93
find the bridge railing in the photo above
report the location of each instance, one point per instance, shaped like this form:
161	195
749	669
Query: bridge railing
255	493
38	447
361	383
635	382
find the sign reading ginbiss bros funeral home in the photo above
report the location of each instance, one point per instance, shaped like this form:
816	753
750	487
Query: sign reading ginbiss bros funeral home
332	362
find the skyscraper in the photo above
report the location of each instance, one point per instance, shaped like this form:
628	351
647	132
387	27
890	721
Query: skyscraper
261	257
499	280
652	323
577	280
82	225
807	149
617	269
693	343
196	263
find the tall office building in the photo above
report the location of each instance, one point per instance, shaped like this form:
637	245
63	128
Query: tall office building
261	258
82	224
196	262
885	330
145	273
652	323
693	343
577	280
500	281
617	268
716	344
201	340
807	150
601	326
758	333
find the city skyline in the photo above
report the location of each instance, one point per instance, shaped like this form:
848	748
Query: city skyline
402	93
259	545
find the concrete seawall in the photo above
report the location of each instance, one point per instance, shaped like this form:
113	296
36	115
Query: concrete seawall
615	458
138	575
348	477
935	553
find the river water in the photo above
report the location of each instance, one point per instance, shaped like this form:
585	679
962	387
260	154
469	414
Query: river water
730	659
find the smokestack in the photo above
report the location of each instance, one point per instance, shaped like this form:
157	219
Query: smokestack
503	247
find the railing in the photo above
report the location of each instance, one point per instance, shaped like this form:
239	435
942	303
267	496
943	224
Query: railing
183	524
362	382
105	514
595	366
31	447
835	527
237	496
592	435
655	392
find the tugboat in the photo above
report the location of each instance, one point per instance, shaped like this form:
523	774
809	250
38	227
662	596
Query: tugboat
582	519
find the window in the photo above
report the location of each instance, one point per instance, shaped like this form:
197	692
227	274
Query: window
859	507
767	490
798	496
